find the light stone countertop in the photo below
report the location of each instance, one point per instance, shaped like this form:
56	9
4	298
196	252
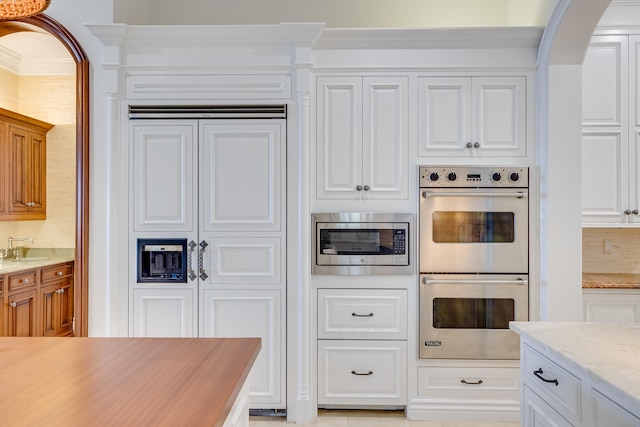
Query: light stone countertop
610	281
608	354
36	258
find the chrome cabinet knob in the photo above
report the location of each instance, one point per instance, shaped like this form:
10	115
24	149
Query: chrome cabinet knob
14	304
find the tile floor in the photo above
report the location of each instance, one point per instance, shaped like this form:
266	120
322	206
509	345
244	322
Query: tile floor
359	418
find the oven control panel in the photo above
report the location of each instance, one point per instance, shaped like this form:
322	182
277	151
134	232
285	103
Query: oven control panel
474	176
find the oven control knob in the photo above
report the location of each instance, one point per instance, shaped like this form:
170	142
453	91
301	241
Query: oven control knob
451	176
434	176
496	176
514	176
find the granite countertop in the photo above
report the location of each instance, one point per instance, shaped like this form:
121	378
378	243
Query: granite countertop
610	281
605	353
36	258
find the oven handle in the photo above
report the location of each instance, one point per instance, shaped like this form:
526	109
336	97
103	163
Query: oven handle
517	194
428	281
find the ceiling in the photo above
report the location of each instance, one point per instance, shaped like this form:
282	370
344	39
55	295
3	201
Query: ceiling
33	53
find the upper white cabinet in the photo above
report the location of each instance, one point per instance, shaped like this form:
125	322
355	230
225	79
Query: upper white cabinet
362	138
611	132
472	116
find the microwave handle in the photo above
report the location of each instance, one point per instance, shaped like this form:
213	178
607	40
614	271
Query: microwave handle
518	194
428	281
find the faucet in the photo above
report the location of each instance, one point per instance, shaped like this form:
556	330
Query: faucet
16	250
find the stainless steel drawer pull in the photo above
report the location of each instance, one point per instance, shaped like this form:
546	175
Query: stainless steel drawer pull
517	194
471	382
428	281
362	315
538	374
367	374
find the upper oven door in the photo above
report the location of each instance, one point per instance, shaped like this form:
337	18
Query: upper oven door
474	230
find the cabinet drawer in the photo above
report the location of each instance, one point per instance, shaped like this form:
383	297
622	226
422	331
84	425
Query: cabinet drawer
362	372
362	314
56	272
21	280
561	387
470	382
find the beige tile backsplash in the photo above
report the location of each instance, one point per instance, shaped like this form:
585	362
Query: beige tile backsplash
625	250
51	99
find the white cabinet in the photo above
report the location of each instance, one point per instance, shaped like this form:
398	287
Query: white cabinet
611	132
536	412
362	347
221	184
472	116
362	138
611	305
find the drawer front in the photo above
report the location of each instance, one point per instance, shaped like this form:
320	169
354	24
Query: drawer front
362	372
22	280
56	272
553	383
362	314
470	383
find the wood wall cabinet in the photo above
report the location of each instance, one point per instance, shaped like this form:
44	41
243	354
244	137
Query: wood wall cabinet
56	299
23	164
362	134
472	116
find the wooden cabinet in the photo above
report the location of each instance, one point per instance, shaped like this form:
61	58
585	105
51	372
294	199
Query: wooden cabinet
611	305
362	347
362	138
472	116
23	163
22	307
56	299
611	132
221	184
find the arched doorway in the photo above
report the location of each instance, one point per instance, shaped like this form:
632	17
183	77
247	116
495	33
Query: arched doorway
51	26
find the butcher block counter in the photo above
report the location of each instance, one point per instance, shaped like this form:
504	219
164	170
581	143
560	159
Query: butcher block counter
125	381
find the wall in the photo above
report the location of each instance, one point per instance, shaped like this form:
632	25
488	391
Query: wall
51	99
341	14
625	251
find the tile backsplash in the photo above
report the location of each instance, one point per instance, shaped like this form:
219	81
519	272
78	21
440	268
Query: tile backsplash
624	254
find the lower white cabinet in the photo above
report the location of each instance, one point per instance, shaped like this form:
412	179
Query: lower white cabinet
362	372
536	412
469	383
362	347
611	305
251	313
164	313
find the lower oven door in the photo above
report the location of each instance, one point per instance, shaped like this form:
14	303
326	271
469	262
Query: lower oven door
467	316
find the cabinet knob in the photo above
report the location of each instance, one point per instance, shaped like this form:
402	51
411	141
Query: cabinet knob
476	145
635	211
469	145
59	273
23	281
13	304
627	212
366	188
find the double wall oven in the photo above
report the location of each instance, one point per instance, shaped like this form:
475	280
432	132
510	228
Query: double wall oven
474	260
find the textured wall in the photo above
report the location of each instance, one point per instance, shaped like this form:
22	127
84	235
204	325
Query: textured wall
625	251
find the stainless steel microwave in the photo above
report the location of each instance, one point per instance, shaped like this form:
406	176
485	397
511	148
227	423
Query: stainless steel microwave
357	243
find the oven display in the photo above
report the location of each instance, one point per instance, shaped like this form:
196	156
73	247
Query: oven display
473	313
473	227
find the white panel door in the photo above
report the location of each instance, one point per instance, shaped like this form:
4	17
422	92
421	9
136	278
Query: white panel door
605	74
164	313
499	116
605	184
164	175
242	167
444	116
252	313
339	137
250	260
385	141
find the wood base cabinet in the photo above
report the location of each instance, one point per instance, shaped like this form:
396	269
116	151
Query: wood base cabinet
56	297
22	304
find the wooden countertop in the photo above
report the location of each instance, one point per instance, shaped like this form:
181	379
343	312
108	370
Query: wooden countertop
122	381
610	281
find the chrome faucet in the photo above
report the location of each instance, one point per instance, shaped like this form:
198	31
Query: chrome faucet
18	239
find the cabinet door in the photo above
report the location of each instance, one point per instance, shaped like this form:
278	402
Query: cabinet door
49	312
499	116
22	316
538	413
339	137
164	175
444	116
600	306
242	173
385	168
252	313
27	180
608	413
164	313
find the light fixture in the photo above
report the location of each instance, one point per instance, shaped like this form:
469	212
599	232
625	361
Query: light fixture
16	9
